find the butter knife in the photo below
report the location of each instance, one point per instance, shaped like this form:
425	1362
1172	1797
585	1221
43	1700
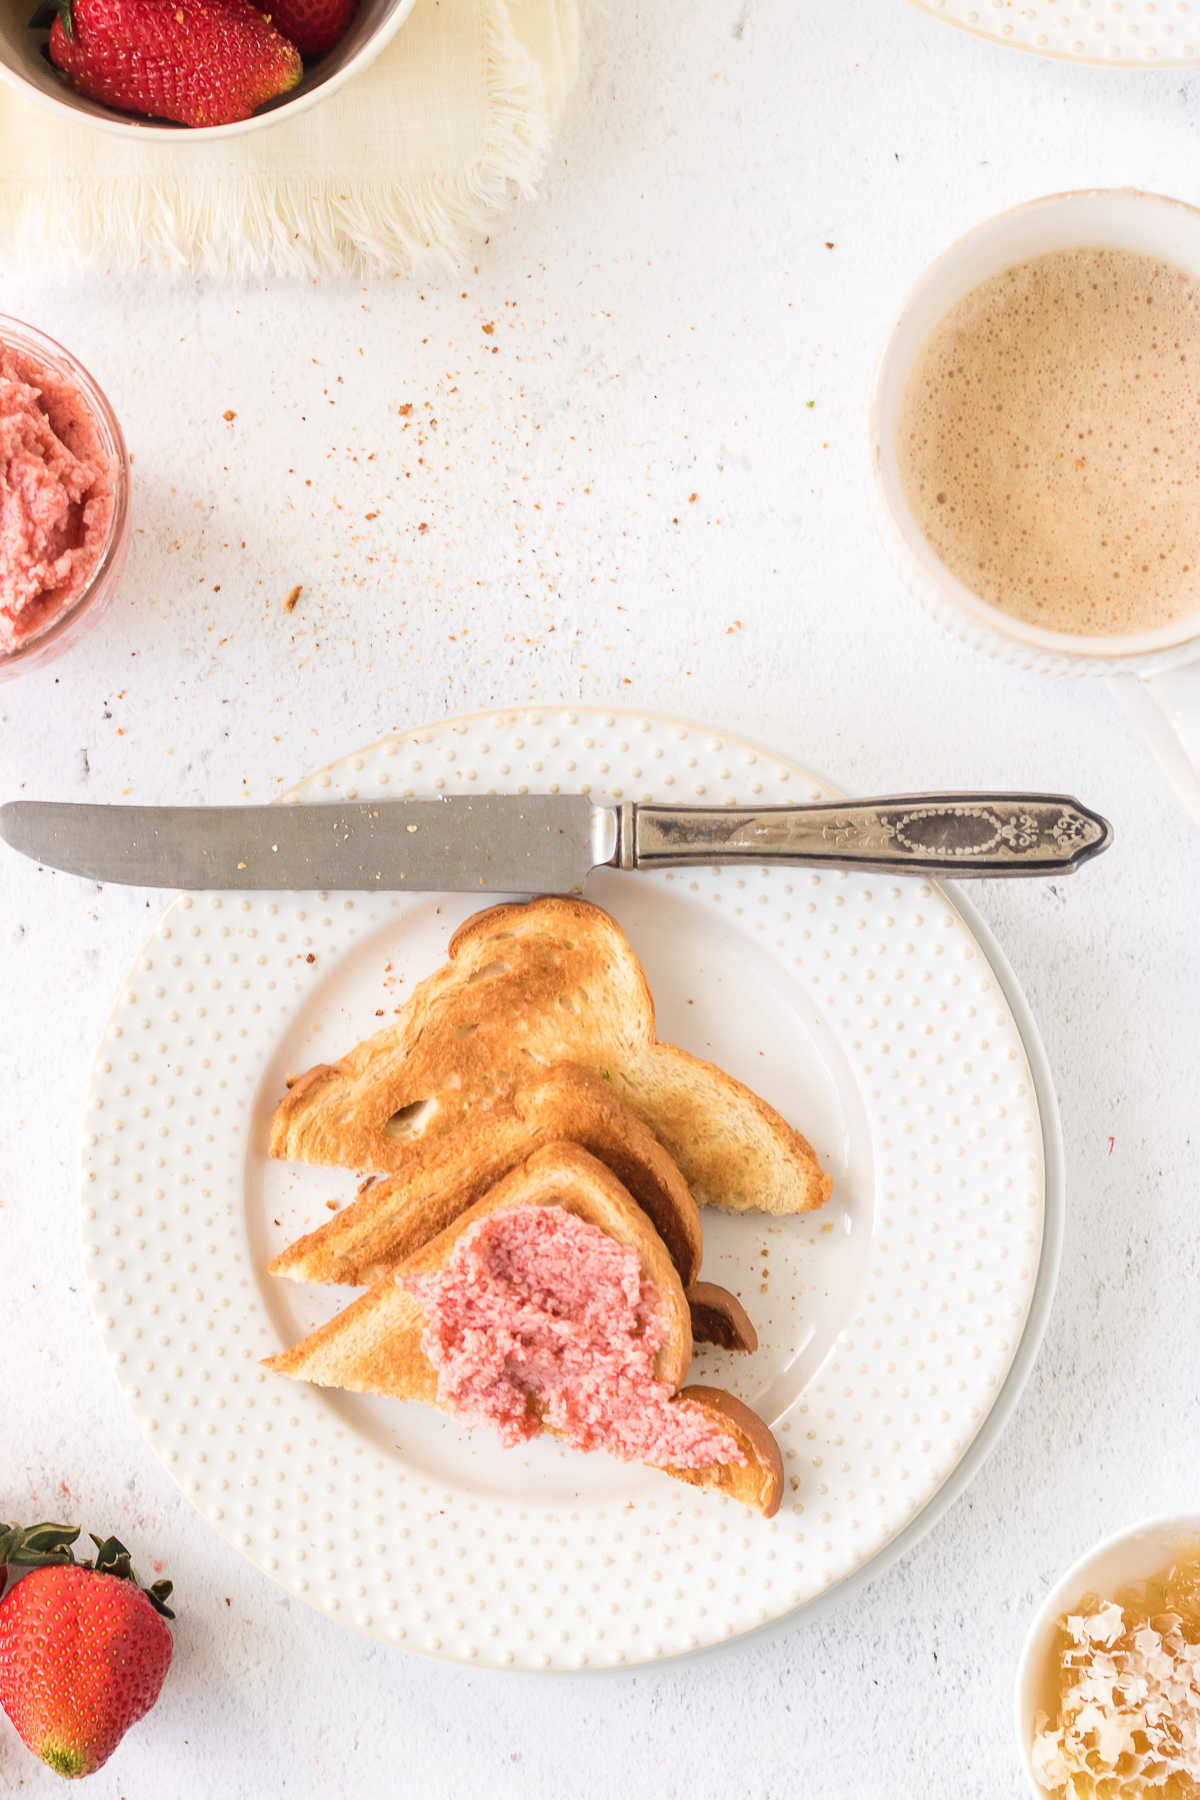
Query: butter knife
543	843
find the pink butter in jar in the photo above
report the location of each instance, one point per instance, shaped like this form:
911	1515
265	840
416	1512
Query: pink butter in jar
64	498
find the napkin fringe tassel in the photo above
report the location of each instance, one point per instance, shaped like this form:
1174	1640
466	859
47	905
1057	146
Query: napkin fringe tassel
248	227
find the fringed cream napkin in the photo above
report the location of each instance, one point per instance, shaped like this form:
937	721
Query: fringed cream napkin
398	170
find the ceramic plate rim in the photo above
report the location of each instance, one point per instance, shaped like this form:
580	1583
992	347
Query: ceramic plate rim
1147	64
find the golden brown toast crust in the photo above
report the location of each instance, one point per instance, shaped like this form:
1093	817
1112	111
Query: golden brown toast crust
374	1345
528	986
758	1482
718	1317
399	1213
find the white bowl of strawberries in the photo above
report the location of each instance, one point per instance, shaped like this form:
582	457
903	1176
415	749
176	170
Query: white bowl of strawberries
219	67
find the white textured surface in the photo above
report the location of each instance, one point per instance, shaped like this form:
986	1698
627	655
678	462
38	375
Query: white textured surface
887	1323
660	320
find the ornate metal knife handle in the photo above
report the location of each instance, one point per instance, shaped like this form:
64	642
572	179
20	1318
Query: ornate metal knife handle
939	834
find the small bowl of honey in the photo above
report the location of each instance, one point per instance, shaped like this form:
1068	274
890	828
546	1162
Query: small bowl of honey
1108	1686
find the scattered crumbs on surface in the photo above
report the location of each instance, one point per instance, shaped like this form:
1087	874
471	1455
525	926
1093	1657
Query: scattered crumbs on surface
827	1226
692	499
730	629
229	415
289	604
310	958
228	1601
405	411
334	1205
488	330
828	245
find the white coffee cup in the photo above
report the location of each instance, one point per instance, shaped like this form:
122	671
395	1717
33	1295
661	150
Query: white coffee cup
1155	674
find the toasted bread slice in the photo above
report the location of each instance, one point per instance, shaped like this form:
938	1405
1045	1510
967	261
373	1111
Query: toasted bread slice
375	1345
528	986
758	1482
718	1317
566	1103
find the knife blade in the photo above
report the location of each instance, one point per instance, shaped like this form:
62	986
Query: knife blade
542	843
493	843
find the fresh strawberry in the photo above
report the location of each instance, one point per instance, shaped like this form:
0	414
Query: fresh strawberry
83	1655
314	26
200	62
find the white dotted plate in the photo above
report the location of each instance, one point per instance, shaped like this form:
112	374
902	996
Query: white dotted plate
1129	34
868	1012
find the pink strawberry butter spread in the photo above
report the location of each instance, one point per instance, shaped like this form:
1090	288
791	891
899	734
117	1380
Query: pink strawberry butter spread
56	495
539	1315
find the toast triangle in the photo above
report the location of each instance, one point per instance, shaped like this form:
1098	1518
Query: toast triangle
374	1345
565	1103
528	986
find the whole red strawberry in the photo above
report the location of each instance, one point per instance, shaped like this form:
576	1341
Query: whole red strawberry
199	62
83	1655
314	26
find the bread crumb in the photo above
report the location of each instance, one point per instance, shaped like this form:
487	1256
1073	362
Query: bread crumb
289	604
229	416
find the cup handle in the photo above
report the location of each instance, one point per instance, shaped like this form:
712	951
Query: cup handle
1166	705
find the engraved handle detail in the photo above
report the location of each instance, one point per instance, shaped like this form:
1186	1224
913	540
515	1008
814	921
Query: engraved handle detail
943	834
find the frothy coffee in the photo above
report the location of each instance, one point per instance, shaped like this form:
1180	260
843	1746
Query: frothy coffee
1050	442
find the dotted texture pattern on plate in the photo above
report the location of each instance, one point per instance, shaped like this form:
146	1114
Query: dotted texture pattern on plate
1124	33
865	1009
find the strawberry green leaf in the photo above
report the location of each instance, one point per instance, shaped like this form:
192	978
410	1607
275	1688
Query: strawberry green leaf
30	1547
48	11
158	1595
112	1558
